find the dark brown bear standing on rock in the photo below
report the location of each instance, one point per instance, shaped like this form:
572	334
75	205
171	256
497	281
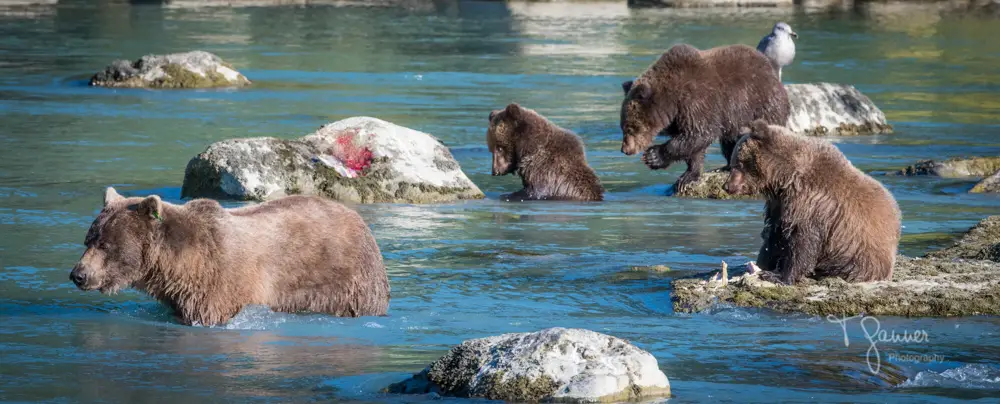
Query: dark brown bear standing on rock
823	217
297	253
696	97
551	160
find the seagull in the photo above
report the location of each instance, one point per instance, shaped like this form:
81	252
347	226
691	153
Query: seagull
778	46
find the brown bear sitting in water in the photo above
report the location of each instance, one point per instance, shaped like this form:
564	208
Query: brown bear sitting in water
823	217
551	160
696	97
297	253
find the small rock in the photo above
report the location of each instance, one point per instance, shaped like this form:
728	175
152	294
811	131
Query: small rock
358	160
959	167
820	109
989	184
554	364
711	185
195	69
651	268
981	242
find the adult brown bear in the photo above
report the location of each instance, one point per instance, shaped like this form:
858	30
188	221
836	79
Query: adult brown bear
823	217
697	97
297	253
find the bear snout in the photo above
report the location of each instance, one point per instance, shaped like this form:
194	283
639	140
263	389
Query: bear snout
80	278
628	147
734	185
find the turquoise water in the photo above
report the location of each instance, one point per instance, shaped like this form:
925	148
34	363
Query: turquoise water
475	268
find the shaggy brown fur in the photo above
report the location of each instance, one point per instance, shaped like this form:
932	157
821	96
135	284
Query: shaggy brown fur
823	216
551	160
297	253
696	97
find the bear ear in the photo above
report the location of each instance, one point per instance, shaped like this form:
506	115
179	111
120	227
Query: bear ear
110	195
513	110
493	114
151	207
626	86
760	129
643	91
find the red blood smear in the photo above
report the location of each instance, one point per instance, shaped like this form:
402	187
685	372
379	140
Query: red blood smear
353	157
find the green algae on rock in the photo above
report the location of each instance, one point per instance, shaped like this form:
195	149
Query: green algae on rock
920	287
195	69
358	160
711	185
959	167
981	242
554	364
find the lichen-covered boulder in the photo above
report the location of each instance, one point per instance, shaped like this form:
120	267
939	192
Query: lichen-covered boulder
981	242
195	69
359	160
819	109
554	364
958	167
920	287
712	185
989	184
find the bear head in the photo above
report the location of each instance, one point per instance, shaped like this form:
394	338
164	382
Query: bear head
505	129
645	111
760	158
117	243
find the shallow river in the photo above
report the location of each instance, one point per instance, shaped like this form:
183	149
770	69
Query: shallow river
477	268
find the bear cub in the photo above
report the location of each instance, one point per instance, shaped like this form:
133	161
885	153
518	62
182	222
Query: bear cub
697	97
550	160
823	217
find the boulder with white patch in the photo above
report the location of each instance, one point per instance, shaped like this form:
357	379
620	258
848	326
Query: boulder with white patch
820	109
554	364
195	69
359	160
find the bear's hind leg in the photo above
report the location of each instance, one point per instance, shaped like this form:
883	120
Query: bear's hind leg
695	164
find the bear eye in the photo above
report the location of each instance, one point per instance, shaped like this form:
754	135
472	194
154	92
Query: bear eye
102	245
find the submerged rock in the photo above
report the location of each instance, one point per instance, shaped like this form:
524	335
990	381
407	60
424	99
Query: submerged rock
820	109
554	364
195	69
919	287
360	160
959	167
981	242
989	184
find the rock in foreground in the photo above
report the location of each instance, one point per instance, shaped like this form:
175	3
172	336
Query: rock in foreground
981	242
712	185
820	109
958	167
195	69
920	287
989	184
359	160
555	364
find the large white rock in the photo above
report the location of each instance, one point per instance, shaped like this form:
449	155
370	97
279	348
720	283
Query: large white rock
554	364
195	69
359	159
819	109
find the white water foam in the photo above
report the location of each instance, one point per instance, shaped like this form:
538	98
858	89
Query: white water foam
972	376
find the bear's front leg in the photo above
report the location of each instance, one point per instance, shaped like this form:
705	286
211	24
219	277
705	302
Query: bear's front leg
518	196
801	254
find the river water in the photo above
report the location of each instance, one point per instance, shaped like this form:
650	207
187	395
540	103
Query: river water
475	268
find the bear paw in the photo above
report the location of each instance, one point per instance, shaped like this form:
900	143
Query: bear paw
686	179
653	159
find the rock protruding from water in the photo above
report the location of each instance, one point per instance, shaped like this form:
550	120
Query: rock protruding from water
981	242
712	185
554	364
821	109
195	69
359	160
920	287
989	185
958	167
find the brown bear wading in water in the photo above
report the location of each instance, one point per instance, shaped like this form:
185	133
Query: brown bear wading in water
696	97
550	160
823	217
297	253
